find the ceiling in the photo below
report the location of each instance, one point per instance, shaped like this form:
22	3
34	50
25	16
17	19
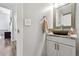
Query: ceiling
11	6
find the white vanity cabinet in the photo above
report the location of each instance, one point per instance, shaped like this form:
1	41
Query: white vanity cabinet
65	50
58	46
51	48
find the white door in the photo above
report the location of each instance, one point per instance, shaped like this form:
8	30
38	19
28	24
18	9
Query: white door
19	29
51	48
65	50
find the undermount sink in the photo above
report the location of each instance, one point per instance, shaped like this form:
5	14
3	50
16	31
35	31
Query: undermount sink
60	32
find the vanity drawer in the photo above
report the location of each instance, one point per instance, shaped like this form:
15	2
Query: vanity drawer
66	41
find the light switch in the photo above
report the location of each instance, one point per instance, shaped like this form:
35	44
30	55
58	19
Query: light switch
28	22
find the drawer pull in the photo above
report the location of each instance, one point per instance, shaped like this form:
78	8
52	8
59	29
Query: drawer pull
55	45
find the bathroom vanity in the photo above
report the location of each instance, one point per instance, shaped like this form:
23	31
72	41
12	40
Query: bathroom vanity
61	43
58	45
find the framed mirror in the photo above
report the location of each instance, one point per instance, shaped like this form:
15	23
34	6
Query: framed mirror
64	16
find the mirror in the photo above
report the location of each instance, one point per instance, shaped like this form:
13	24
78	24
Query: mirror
64	16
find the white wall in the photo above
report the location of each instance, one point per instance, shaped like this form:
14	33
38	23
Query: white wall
33	36
4	18
4	22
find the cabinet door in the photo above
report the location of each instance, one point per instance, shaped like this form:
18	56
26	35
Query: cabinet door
51	48
65	50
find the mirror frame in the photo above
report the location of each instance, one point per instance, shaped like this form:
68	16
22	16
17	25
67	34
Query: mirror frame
73	13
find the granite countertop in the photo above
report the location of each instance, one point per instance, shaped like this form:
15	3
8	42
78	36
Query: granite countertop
63	36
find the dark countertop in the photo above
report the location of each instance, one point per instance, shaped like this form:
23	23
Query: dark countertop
63	36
